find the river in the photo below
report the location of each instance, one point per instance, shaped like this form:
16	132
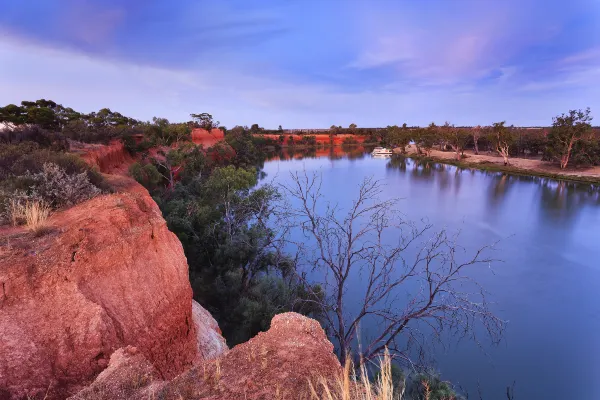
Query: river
547	285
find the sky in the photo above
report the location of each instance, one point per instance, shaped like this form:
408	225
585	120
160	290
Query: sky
307	63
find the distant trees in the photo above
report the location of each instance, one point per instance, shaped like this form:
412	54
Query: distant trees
476	133
205	121
93	127
502	138
163	133
568	137
396	136
456	138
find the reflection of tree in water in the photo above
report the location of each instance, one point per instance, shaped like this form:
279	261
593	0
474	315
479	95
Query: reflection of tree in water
559	201
562	201
397	163
499	187
332	153
445	175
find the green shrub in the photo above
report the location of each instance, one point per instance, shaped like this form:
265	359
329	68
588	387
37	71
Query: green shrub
60	189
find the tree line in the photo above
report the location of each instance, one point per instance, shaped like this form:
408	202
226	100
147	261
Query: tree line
570	141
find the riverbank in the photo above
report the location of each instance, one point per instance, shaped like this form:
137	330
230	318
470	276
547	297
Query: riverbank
517	166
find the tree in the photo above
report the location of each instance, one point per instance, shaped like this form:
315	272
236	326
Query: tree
169	164
567	131
396	136
205	121
425	138
352	128
280	129
456	138
476	132
359	241
502	138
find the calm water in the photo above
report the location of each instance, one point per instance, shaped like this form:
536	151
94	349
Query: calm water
547	287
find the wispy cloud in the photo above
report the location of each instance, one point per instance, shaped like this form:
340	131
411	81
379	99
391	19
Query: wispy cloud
305	63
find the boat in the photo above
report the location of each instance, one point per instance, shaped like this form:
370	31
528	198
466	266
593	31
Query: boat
381	151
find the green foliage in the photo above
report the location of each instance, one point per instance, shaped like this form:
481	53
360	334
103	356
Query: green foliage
29	172
17	160
59	189
146	174
349	141
570	138
397	137
163	133
425	138
309	140
205	121
44	114
33	133
429	386
237	269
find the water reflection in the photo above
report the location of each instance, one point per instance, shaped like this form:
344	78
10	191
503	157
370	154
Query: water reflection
331	152
559	201
546	284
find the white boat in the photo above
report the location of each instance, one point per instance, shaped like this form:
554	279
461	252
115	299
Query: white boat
381	151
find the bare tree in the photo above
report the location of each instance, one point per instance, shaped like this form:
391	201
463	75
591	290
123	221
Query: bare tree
340	244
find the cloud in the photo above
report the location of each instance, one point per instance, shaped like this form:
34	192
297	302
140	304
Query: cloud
299	65
182	34
90	83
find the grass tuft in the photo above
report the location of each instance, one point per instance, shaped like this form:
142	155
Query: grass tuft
36	213
347	387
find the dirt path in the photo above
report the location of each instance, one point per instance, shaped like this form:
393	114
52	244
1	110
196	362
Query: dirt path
536	166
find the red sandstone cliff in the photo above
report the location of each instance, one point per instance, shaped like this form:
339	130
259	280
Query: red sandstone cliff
276	364
205	138
108	274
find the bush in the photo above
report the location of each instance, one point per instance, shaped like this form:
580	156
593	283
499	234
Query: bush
19	160
349	141
33	133
146	174
59	189
50	188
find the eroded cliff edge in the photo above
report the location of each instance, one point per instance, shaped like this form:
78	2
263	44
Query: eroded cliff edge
107	274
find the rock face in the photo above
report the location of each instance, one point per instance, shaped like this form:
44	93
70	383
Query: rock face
107	275
208	335
206	138
111	158
276	364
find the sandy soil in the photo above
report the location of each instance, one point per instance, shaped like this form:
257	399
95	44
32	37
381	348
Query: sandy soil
530	164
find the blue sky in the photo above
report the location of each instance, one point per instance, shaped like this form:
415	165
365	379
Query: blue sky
307	63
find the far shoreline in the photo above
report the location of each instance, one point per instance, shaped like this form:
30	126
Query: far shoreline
517	166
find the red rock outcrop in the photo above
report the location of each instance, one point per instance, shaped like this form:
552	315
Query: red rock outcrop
107	275
111	158
276	364
338	140
205	138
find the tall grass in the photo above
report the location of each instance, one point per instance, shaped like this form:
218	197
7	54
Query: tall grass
15	212
350	387
36	213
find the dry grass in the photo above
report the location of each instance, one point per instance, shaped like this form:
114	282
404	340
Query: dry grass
348	387
32	213
36	213
16	212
